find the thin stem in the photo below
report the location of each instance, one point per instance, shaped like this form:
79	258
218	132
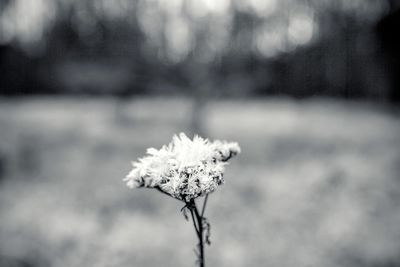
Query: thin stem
201	235
159	189
204	206
194	222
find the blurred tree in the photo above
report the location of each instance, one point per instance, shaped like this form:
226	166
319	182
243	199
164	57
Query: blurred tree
388	34
18	72
202	48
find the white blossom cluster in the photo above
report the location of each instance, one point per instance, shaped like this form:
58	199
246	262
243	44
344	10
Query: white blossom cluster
184	169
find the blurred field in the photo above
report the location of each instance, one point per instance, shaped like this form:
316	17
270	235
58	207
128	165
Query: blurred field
317	184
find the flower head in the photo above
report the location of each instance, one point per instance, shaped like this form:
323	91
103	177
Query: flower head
184	169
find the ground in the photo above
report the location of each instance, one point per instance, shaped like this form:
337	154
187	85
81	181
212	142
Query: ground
317	184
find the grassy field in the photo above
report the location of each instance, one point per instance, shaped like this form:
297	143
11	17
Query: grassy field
317	184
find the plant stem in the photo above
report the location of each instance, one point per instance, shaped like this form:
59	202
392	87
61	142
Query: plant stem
204	205
201	235
199	219
194	223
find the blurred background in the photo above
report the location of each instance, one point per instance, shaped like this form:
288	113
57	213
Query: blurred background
309	88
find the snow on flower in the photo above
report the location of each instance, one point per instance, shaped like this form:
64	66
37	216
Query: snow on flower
184	169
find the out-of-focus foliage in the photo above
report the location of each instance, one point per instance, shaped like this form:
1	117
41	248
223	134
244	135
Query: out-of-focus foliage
298	47
316	184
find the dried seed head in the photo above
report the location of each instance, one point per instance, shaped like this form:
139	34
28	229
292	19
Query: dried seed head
185	168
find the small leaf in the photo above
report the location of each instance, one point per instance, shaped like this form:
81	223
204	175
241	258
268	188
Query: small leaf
207	227
184	212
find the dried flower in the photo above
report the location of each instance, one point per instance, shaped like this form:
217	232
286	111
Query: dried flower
184	169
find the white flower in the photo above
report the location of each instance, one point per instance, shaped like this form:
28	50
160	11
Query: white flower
184	169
